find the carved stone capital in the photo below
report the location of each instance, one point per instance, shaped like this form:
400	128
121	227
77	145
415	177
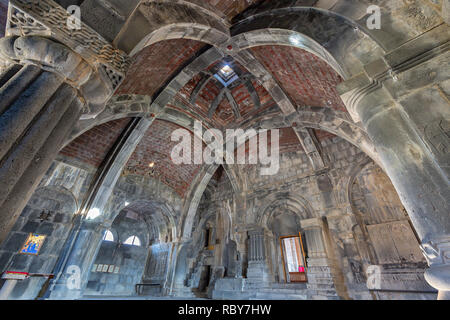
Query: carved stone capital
48	19
55	57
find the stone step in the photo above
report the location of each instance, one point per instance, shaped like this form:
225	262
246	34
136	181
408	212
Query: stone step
279	296
288	285
283	291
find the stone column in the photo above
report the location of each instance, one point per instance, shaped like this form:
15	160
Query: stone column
86	236
402	102
41	98
258	272
319	267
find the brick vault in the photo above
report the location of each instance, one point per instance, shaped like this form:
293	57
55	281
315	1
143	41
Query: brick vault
358	208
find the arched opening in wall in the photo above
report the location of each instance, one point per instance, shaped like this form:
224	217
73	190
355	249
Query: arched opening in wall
108	236
387	242
133	241
209	232
201	260
38	237
289	246
136	263
211	251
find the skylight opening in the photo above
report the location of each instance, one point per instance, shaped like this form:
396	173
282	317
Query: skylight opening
226	75
226	72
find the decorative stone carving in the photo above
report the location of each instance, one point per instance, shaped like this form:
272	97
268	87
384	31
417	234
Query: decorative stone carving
57	58
438	133
114	77
47	18
437	251
256	245
21	23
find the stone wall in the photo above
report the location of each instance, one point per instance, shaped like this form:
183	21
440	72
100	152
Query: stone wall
128	261
131	188
49	212
149	209
3	16
337	253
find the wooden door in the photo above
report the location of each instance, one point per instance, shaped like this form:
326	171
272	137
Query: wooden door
293	257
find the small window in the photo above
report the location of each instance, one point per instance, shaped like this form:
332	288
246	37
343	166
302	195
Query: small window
108	236
133	240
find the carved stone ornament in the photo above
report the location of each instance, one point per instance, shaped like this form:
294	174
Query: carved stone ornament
437	251
49	19
55	57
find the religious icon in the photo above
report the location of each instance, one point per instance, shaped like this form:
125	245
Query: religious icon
33	244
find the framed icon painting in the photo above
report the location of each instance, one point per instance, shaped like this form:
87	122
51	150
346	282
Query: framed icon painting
33	244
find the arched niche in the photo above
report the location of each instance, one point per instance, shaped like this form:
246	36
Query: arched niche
290	216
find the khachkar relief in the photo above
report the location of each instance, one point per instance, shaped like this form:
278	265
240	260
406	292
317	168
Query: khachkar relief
48	19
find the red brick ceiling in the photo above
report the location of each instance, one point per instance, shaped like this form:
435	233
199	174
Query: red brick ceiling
322	135
229	8
156	64
288	141
156	146
308	80
224	114
92	147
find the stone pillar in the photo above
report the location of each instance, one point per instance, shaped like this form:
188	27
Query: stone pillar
319	269
258	272
86	238
41	99
402	102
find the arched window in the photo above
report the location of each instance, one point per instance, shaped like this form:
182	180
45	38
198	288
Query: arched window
133	240
108	236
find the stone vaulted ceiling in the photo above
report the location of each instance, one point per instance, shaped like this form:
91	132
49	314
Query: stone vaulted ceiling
156	64
308	81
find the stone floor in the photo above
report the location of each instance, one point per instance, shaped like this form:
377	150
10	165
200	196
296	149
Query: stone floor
138	298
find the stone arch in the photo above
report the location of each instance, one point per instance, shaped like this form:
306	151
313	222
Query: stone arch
69	202
190	31
159	20
346	182
327	119
195	195
282	37
288	201
342	33
381	221
118	107
167	213
381	201
204	221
